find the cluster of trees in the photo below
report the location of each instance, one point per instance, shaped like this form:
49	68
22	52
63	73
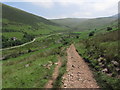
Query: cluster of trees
8	42
93	32
28	37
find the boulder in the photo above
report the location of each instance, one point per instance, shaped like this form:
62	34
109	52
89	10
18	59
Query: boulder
27	65
115	63
105	70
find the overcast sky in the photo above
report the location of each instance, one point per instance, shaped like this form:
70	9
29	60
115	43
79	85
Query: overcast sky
67	8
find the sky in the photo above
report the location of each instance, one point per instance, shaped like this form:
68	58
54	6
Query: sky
53	9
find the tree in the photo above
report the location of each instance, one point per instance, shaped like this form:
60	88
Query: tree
29	50
77	36
109	28
91	33
28	36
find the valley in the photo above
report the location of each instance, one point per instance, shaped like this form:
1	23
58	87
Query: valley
38	52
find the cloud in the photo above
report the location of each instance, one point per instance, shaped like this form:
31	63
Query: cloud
48	4
80	8
98	4
70	2
104	5
81	15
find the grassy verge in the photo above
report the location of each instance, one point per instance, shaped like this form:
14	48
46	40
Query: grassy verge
106	82
62	70
100	52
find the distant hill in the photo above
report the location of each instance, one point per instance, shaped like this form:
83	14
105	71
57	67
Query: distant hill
95	23
69	22
116	16
85	24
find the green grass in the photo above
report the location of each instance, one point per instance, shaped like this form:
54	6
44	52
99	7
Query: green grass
58	83
108	83
41	43
62	70
17	75
40	56
9	35
34	75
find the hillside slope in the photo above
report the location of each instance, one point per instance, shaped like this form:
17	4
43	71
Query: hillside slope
17	15
19	26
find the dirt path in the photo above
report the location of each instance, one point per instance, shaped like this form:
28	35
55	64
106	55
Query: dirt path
78	73
55	74
27	42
